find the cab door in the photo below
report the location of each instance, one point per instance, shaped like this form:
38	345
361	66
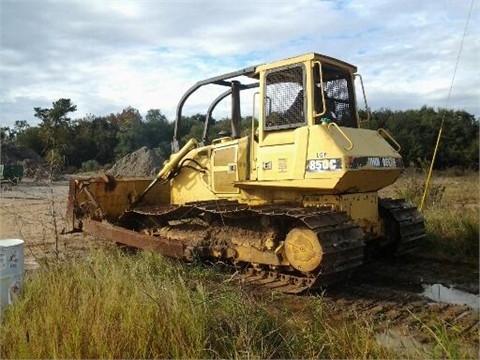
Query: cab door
284	130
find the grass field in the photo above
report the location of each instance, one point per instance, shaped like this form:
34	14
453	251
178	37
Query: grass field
143	306
117	305
451	211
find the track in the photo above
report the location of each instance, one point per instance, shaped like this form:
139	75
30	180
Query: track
404	226
342	242
390	293
388	296
215	223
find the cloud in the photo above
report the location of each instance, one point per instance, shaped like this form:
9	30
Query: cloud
107	55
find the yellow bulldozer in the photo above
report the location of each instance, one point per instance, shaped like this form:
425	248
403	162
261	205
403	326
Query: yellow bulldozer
292	202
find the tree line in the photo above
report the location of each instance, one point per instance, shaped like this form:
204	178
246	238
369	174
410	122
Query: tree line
417	130
93	141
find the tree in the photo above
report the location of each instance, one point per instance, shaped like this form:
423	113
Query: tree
129	123
416	131
11	134
20	126
157	132
54	129
6	134
191	127
31	138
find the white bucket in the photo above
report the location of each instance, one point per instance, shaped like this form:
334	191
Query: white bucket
11	270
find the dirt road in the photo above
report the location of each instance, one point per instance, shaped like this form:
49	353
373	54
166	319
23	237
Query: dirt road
387	293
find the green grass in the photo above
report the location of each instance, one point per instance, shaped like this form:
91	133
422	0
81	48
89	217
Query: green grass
447	341
112	307
143	306
451	211
453	233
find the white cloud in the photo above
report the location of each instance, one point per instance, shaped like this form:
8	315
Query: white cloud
106	55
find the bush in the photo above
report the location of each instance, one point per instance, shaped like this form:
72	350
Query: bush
413	188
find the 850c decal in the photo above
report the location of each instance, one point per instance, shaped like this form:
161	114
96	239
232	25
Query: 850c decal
320	165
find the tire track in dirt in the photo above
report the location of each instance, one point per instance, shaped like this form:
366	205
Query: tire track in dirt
390	295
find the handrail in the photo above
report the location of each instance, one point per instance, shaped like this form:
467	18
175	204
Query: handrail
389	137
320	73
255	95
367	109
332	124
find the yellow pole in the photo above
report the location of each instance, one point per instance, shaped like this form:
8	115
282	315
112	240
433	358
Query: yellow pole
430	170
429	175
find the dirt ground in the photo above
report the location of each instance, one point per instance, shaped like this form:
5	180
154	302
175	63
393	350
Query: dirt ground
385	293
35	213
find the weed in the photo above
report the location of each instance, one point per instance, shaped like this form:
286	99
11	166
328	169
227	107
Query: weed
452	212
144	306
453	232
446	339
335	339
412	189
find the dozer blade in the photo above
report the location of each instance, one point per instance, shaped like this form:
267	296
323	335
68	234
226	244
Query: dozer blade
104	230
106	198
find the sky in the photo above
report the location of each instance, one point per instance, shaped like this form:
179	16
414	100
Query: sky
108	55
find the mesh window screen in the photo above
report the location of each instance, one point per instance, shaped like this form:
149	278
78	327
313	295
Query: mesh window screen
338	100
285	104
338	91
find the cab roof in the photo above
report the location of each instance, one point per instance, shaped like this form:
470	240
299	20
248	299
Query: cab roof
306	57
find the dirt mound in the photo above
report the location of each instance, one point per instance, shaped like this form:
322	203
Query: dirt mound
143	162
16	154
34	165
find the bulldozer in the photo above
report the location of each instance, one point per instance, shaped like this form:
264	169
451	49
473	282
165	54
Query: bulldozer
291	201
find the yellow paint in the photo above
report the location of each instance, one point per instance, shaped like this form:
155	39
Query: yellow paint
303	249
270	167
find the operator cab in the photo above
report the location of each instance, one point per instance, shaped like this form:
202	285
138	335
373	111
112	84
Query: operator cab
286	95
301	91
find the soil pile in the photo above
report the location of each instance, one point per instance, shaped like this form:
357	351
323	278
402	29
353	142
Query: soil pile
34	165
143	162
16	154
